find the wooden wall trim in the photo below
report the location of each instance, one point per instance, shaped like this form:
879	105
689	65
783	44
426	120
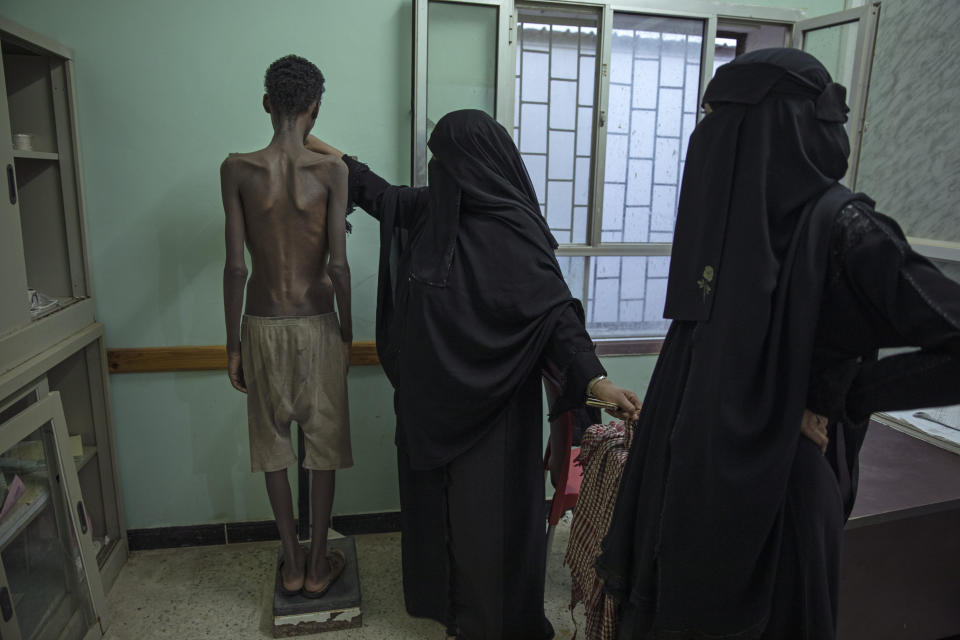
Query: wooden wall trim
214	358
634	347
201	358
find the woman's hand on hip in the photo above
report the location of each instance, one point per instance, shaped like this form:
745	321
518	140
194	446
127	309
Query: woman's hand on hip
814	426
626	400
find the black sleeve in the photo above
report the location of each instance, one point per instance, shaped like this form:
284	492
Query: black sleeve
920	304
367	189
571	353
906	381
919	307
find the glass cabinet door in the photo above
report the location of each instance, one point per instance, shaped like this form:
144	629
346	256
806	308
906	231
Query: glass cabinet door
50	580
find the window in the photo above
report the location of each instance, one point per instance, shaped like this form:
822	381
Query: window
653	91
736	37
601	102
843	42
553	114
727	47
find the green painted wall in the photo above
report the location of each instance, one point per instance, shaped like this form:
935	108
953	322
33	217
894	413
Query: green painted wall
165	90
468	79
813	8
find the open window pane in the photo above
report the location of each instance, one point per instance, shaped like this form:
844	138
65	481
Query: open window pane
836	47
654	88
554	103
623	296
726	47
844	42
466	80
736	37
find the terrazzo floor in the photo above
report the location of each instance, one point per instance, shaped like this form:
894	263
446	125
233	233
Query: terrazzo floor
226	592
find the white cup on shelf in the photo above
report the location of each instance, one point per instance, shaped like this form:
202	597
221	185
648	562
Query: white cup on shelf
23	141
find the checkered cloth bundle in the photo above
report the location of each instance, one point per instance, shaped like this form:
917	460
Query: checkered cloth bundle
603	456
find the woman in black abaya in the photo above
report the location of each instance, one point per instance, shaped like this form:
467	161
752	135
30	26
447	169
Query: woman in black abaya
471	305
783	285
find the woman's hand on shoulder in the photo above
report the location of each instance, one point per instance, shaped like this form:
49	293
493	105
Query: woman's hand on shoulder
317	145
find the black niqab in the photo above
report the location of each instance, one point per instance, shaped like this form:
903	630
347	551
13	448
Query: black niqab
477	292
747	270
774	140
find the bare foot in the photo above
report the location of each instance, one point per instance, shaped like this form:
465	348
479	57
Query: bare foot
317	575
292	573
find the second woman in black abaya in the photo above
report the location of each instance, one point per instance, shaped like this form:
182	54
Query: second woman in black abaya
783	285
471	306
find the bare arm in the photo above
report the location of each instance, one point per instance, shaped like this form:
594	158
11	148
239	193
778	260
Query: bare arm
338	267
234	271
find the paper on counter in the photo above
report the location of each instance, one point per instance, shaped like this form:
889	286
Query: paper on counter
935	428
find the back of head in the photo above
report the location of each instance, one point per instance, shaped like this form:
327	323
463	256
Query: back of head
799	87
470	131
792	60
293	84
773	141
478	154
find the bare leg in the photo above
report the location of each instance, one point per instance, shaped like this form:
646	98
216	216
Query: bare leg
278	489
321	502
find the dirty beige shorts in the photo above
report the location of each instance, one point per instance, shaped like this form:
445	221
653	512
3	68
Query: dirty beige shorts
296	370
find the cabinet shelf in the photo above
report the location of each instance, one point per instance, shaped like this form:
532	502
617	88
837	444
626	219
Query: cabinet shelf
35	155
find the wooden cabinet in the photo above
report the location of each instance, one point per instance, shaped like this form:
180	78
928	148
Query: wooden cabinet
63	542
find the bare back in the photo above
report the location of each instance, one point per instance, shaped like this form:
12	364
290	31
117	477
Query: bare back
284	198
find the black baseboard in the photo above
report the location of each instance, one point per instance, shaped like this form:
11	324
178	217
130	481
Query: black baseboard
253	531
234	532
167	537
386	522
259	531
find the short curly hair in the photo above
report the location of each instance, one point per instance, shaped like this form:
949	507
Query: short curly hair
292	84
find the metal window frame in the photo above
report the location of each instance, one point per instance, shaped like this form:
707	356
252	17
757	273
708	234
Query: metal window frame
594	245
598	116
690	9
866	17
503	95
707	11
